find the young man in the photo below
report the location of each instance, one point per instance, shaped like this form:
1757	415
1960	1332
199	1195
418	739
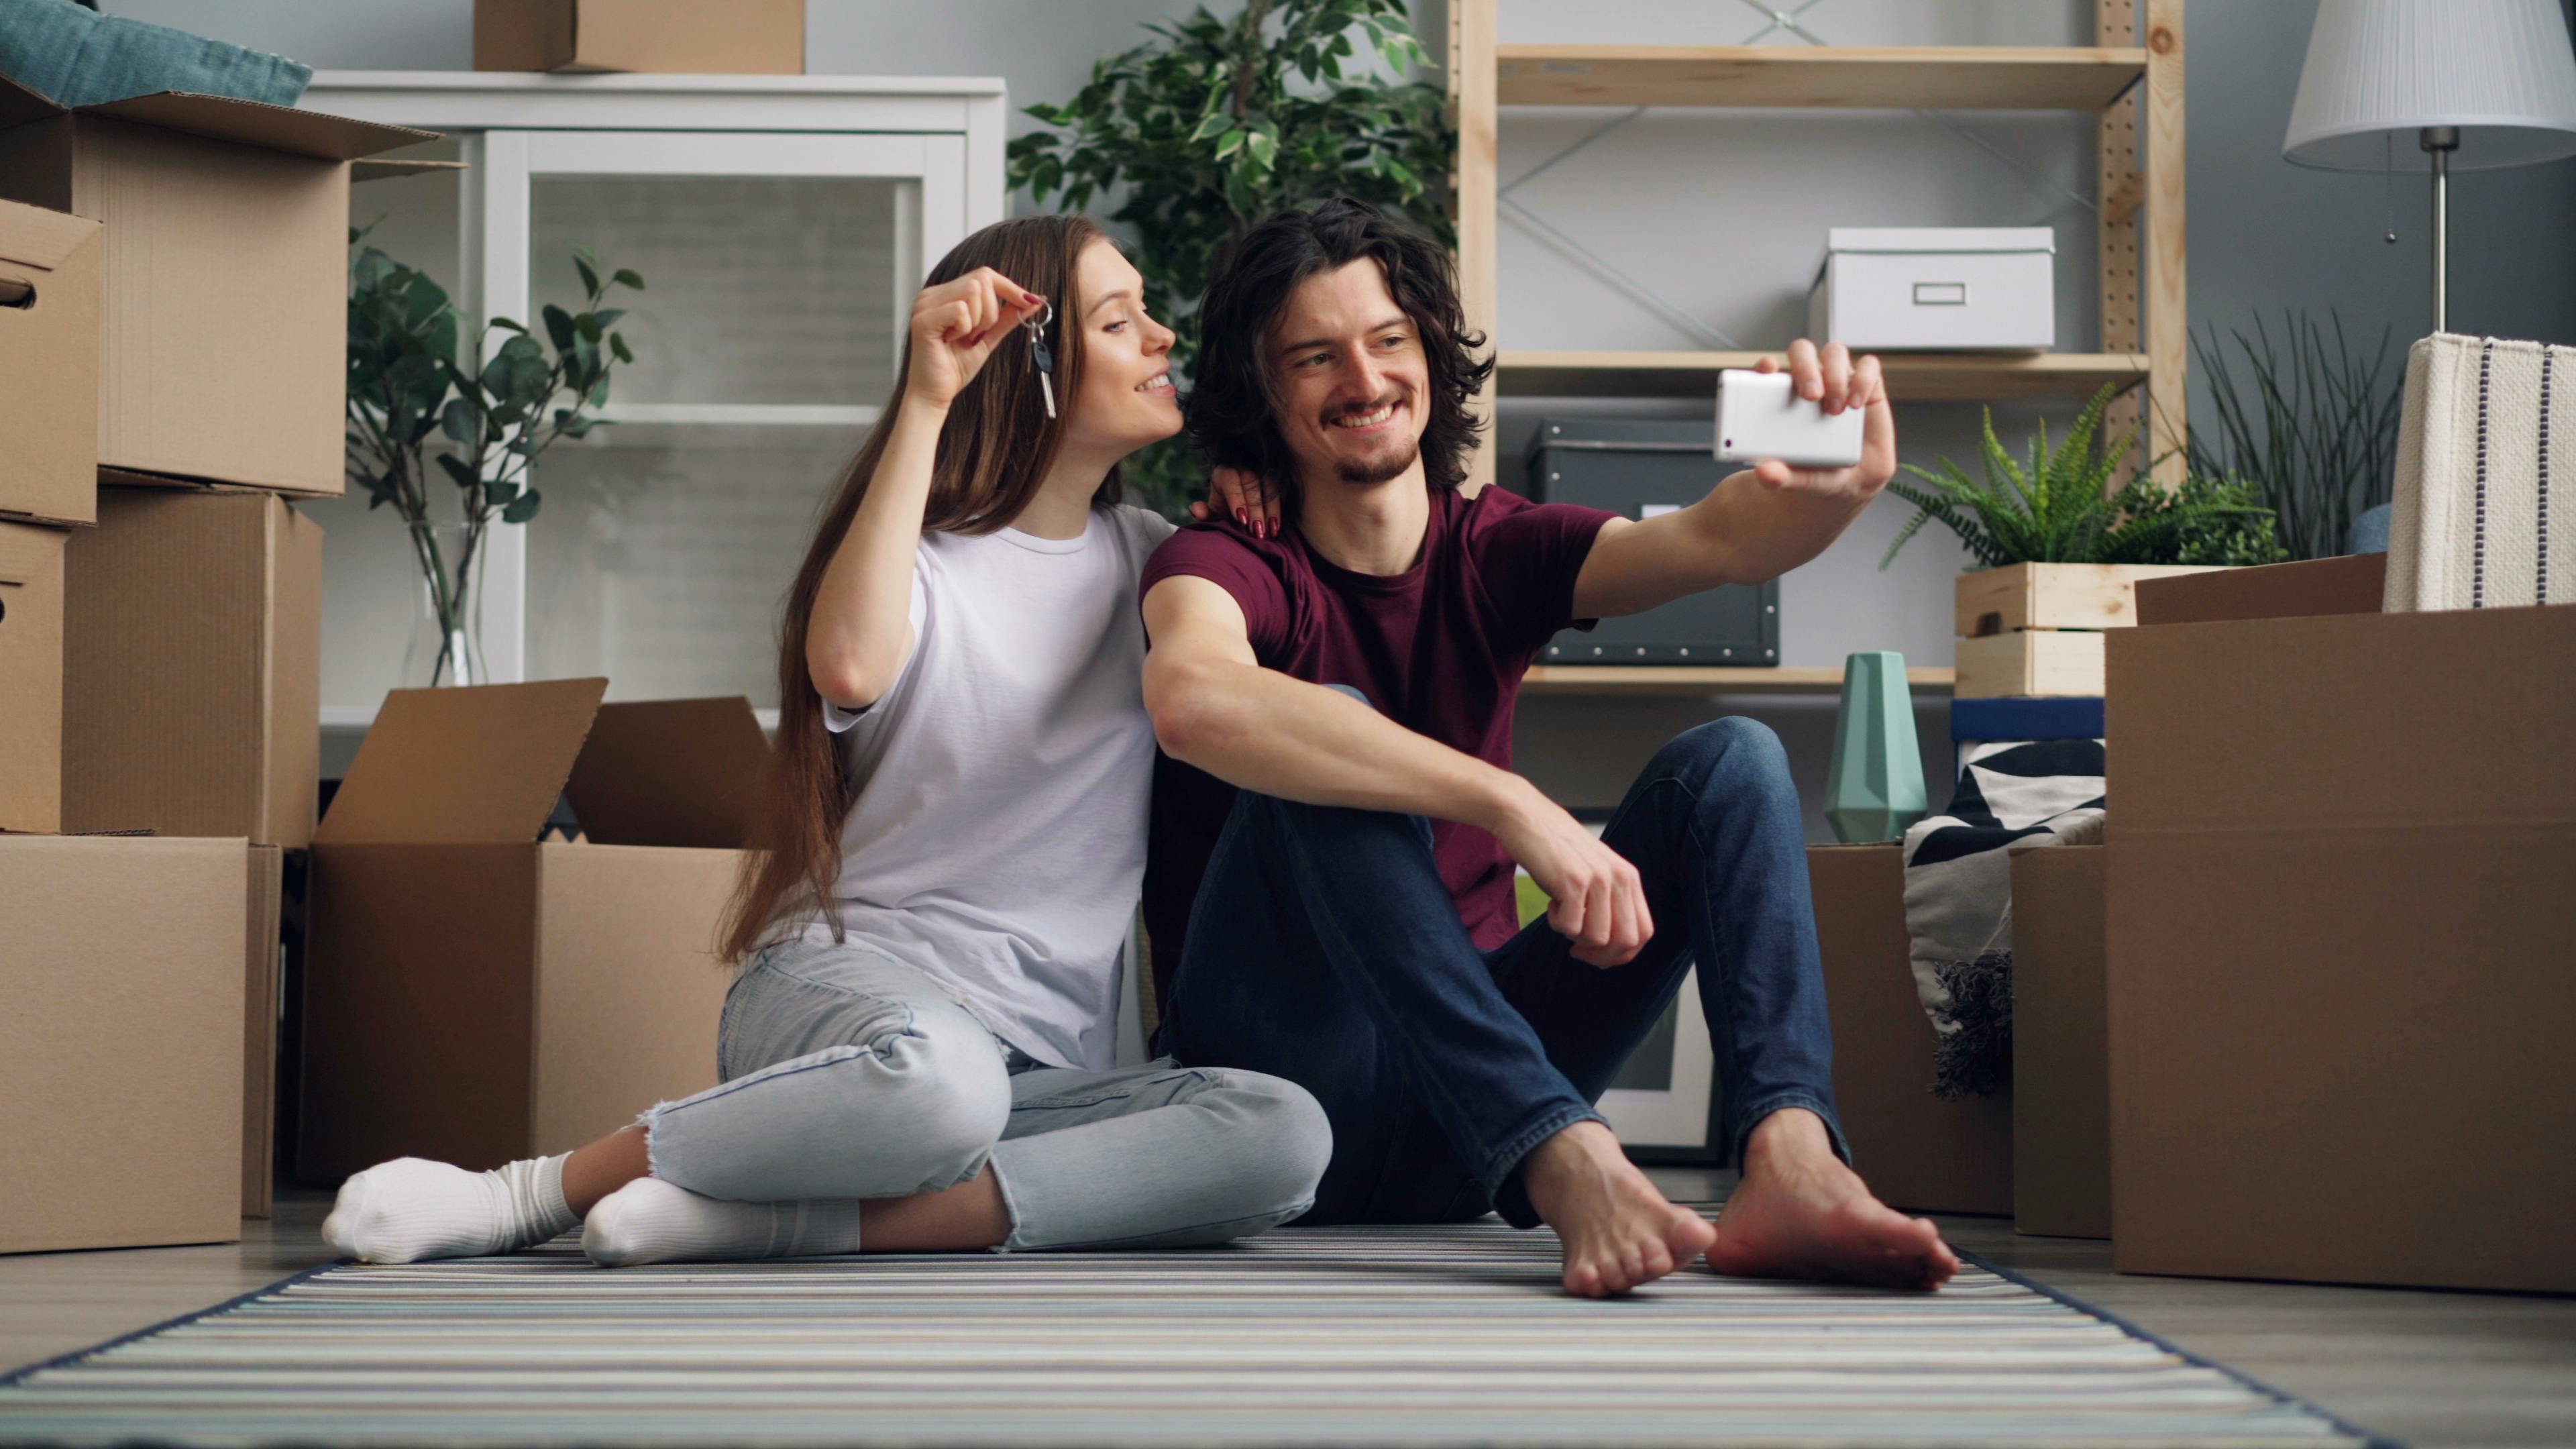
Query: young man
1330	895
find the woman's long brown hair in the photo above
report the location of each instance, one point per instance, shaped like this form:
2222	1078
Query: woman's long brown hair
994	452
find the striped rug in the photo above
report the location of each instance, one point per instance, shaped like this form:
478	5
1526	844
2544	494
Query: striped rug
1394	1336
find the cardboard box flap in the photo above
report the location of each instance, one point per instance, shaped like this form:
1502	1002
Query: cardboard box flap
252	123
671	772
464	765
387	170
31	236
2363	722
19	105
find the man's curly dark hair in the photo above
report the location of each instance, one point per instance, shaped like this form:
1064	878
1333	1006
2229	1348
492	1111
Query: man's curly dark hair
1231	410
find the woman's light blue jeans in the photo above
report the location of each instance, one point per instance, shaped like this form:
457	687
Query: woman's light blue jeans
847	1074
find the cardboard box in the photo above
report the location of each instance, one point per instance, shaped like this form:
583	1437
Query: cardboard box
1916	1151
2351	584
2061	1045
224	310
473	995
31	662
743	37
2339	914
192	680
49	283
262	975
121	1001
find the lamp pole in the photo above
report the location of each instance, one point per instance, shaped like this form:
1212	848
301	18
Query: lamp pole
2439	142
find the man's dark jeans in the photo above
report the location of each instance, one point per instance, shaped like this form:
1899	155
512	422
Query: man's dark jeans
1324	949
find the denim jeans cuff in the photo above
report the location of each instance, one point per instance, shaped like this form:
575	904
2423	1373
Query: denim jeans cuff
1753	1114
1501	1173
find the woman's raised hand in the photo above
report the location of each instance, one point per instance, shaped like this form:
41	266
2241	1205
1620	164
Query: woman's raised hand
957	324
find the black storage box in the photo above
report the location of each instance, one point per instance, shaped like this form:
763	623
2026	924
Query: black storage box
1639	468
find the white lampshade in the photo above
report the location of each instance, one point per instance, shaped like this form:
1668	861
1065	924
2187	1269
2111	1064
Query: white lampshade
2500	70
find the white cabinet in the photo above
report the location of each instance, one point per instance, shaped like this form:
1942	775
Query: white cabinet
781	225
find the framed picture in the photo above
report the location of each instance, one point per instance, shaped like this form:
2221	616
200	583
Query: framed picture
1663	1103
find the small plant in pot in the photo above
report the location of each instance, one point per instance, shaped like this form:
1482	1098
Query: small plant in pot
422	407
2060	550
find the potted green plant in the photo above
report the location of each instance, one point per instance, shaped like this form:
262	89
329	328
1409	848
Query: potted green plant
2312	424
422	407
2062	549
1218	122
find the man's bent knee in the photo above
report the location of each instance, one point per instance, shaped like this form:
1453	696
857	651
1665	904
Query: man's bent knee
1733	747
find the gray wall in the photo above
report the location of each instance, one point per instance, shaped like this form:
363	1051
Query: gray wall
1722	214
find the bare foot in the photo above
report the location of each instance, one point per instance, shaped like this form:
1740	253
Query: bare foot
1618	1231
1800	1213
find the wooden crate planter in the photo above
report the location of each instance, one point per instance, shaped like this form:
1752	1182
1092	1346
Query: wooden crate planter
2034	629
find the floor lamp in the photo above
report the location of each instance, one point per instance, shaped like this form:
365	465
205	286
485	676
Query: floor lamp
2479	84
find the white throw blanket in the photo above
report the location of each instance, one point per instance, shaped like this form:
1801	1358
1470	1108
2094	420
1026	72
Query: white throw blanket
2011	796
2489	436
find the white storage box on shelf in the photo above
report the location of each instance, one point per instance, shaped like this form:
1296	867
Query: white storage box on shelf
1947	287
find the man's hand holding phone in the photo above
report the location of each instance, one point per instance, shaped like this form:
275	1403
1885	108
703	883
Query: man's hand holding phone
1834	384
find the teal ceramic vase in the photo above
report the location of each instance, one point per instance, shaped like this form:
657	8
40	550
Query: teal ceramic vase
1875	789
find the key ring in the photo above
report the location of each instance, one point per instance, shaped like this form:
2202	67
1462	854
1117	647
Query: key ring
1041	356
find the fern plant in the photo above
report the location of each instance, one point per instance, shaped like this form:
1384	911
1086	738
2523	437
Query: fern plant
2057	505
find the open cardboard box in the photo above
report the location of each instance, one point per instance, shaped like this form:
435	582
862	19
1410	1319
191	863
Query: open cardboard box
1916	1151
741	37
123	1013
226	221
2338	912
473	994
49	285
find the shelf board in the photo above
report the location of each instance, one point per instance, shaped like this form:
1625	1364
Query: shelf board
1911	377
1671	681
1935	77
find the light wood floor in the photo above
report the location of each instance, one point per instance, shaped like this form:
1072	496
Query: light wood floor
2431	1369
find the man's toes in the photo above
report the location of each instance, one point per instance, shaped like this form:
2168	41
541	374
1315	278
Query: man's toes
1582	1279
1656	1261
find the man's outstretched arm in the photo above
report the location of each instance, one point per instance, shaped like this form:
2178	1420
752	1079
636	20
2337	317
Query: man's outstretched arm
1757	524
1215	707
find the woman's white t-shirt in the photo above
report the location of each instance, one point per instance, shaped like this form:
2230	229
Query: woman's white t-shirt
998	842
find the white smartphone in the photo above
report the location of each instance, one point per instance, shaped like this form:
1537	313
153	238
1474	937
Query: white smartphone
1759	417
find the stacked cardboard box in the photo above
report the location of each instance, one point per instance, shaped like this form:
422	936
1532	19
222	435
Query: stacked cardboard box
159	610
474	994
745	37
2339	918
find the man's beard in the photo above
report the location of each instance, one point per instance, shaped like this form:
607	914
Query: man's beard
1382	468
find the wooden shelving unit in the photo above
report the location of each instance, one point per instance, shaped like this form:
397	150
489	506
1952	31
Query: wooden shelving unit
1933	77
1680	681
2136	90
1921	377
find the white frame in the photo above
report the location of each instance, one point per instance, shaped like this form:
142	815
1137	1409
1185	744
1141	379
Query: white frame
944	135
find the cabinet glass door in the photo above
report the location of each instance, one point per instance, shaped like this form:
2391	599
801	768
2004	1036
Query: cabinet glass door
779	271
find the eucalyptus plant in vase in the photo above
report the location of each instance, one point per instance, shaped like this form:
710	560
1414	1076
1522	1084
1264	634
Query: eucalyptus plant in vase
421	407
1219	121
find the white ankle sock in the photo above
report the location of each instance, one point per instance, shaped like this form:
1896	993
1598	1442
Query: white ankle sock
411	1208
651	1221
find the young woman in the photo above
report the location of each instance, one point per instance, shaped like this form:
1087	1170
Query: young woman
916	1054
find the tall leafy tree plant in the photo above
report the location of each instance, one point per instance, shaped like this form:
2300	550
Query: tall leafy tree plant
1216	123
420	409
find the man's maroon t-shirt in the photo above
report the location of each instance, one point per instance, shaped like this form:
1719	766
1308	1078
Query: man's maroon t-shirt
1439	648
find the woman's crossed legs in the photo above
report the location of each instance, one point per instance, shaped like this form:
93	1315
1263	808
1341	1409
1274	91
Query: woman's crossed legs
864	1109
